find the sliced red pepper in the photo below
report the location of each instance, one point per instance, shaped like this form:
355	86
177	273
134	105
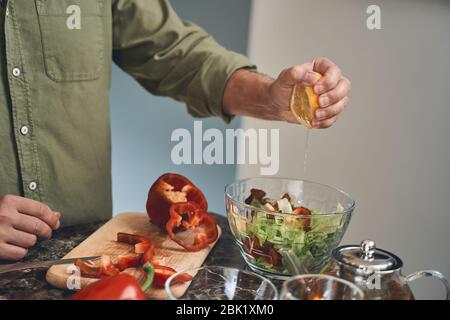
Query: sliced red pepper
301	210
144	252
107	268
119	287
162	273
168	189
97	269
88	269
127	261
142	245
149	254
266	251
286	196
275	257
306	222
256	194
191	227
193	194
130	238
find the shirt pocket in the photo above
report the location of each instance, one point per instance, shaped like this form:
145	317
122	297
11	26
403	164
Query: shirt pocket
72	35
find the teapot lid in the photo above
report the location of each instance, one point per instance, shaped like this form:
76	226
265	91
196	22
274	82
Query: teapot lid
367	257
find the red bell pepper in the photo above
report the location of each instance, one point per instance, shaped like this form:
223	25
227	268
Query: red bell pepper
266	251
191	226
142	245
162	273
127	261
119	287
301	211
306	222
131	238
107	268
97	269
144	252
256	194
88	269
168	189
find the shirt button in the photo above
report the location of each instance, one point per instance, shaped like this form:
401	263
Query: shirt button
32	185
16	72
24	130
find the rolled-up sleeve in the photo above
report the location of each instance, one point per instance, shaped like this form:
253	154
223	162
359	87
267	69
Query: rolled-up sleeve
171	57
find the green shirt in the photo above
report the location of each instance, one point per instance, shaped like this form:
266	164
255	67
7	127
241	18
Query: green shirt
55	70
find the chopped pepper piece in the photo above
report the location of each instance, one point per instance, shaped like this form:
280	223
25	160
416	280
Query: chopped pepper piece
162	273
107	268
256	194
168	189
191	226
97	269
88	269
142	245
306	222
301	211
144	252
266	251
127	261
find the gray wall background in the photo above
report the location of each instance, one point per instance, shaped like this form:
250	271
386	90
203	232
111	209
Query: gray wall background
391	148
142	124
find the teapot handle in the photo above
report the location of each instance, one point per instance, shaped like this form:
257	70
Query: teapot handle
430	273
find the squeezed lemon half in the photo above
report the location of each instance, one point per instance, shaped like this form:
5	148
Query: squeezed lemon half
304	103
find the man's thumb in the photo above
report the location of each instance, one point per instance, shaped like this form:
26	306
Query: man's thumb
301	74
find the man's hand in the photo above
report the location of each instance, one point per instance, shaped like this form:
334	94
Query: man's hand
252	94
22	222
332	89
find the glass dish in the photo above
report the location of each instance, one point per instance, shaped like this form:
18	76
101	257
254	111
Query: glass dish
279	245
320	287
221	283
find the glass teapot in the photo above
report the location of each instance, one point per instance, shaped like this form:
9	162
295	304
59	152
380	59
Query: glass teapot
378	272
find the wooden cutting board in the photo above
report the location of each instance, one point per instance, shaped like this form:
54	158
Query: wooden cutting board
103	241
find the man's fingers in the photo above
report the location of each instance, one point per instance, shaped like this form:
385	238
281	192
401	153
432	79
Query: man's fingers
11	252
298	74
323	124
338	93
331	111
32	225
22	239
37	209
58	216
331	74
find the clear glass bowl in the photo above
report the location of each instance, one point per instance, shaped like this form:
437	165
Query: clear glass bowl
221	283
320	287
279	245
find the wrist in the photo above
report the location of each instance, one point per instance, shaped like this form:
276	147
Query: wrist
247	93
265	85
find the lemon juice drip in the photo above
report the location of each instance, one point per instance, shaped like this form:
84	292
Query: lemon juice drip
305	158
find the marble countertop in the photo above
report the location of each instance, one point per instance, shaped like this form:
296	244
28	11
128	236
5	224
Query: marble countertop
31	284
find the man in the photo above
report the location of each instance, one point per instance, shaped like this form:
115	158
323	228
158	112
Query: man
54	120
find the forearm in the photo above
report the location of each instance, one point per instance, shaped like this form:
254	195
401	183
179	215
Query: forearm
172	58
247	94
